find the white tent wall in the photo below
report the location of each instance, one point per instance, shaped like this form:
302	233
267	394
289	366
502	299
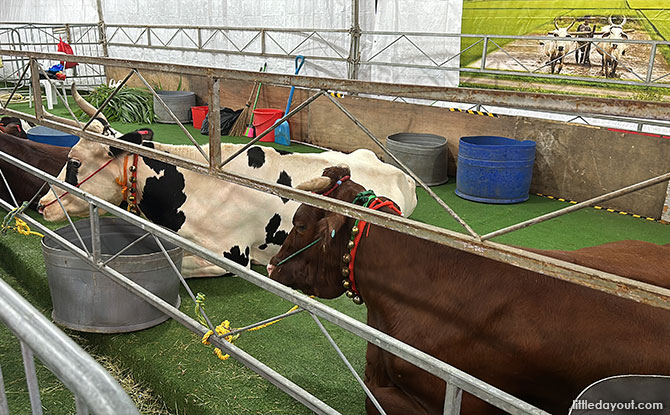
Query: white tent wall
434	16
49	11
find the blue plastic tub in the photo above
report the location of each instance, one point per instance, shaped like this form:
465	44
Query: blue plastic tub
46	135
494	169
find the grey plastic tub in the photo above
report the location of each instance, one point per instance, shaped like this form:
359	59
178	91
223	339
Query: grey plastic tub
84	299
425	154
179	102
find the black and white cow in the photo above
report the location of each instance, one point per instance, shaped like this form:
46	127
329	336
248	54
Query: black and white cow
241	223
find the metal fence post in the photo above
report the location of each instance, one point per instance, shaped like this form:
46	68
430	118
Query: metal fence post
452	399
354	59
102	30
652	57
214	117
484	50
95	233
31	378
4	408
37	94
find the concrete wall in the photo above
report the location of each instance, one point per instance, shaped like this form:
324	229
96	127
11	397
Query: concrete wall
572	161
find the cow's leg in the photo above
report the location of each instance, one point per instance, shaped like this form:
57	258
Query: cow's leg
614	65
193	266
560	65
393	401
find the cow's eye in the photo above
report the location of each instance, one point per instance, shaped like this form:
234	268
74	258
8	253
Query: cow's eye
300	228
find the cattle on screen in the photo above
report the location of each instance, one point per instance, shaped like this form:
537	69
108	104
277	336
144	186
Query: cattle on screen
538	338
612	52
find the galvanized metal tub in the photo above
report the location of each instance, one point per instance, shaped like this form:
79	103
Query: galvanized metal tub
179	102
84	299
424	154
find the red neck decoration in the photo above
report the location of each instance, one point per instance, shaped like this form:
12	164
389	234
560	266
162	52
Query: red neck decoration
357	231
130	192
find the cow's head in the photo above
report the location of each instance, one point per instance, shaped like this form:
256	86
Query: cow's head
614	31
562	33
94	168
317	270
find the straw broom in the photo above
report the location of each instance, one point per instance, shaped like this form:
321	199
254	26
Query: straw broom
240	125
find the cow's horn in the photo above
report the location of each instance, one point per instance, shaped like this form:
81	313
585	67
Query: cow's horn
609	19
89	109
623	22
572	24
318	184
556	23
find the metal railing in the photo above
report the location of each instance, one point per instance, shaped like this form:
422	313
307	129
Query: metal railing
94	389
473	243
44	37
332	46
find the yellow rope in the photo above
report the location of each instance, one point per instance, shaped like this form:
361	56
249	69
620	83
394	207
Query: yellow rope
20	226
224	327
23	228
272	322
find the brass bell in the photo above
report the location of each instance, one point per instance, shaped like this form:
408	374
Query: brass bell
133	179
133	190
345	272
132	168
350	294
131	198
357	300
351	245
346	258
346	284
354	230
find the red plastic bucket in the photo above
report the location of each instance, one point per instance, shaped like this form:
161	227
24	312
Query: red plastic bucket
263	119
199	114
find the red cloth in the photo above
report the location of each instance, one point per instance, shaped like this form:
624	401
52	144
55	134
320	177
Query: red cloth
67	49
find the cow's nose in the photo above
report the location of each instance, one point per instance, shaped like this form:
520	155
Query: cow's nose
40	209
270	268
560	48
614	46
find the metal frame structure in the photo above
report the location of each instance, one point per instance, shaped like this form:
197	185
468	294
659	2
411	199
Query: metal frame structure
259	41
338	46
44	37
93	387
474	243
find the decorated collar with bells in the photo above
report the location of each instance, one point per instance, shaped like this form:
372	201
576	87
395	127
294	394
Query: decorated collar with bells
370	200
129	191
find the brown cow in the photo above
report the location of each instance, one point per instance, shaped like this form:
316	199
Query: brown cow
538	338
50	159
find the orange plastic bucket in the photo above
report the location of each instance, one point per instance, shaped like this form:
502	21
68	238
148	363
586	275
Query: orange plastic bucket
263	119
199	114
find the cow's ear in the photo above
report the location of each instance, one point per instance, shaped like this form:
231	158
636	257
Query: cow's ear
135	137
331	228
